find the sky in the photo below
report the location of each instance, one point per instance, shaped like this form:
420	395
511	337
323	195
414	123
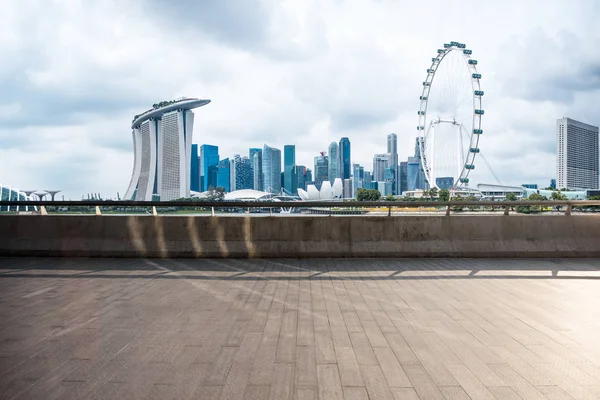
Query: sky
304	72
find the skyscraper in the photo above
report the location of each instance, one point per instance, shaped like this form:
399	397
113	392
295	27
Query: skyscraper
300	178
271	165
402	177
195	169
241	173
224	175
345	158
577	155
333	166
257	174
392	149
162	143
321	169
358	175
209	159
412	173
380	163
289	161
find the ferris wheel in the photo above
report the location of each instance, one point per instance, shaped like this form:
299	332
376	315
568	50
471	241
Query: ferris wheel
450	117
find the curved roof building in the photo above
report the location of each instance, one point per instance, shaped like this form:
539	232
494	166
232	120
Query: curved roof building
162	143
8	193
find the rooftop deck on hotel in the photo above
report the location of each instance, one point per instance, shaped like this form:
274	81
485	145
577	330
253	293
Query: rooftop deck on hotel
300	329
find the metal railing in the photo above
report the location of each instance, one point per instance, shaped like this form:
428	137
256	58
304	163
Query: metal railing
565	207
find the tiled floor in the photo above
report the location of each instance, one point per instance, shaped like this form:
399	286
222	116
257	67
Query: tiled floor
299	329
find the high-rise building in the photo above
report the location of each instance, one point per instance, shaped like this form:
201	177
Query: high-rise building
333	165
577	155
344	151
367	179
271	165
392	149
209	159
289	162
224	175
402	180
412	173
241	173
384	188
162	143
321	169
553	183
444	182
299	178
358	176
380	163
195	169
257	174
530	185
347	192
309	177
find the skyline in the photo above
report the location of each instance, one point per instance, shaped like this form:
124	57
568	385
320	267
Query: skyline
293	73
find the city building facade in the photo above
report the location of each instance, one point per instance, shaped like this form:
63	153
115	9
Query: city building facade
271	165
321	169
333	167
209	159
195	169
224	175
344	156
577	155
392	149
162	142
241	172
380	163
257	175
289	162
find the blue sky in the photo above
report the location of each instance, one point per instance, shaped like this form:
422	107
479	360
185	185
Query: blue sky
301	72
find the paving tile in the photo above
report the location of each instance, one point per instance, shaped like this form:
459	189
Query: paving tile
299	329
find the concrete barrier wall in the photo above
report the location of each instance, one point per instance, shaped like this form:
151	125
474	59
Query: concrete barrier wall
338	236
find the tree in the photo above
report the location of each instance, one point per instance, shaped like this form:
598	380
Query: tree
531	209
433	192
558	196
511	196
444	195
368	195
390	197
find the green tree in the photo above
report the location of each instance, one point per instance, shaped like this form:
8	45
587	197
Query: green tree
433	192
390	197
532	209
511	196
444	195
368	195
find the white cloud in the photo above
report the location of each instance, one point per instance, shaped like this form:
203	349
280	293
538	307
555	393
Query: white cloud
280	72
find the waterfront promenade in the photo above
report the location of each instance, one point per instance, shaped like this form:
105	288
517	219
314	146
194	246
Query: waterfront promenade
299	329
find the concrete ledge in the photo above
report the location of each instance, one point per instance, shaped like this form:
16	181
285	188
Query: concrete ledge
301	237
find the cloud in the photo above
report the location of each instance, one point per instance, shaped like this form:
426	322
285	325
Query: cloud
280	72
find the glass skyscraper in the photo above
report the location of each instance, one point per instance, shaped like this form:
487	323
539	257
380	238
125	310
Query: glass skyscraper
257	174
209	158
224	174
241	173
402	180
333	162
577	155
289	162
344	158
392	149
321	169
271	165
195	169
358	175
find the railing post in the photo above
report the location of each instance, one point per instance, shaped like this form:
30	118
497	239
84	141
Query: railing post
506	210
447	211
389	211
98	210
43	210
154	211
330	211
569	209
270	211
212	211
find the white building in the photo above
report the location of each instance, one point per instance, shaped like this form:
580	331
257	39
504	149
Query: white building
162	143
380	163
577	155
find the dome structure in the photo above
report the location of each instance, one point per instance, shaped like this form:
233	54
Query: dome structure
327	192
